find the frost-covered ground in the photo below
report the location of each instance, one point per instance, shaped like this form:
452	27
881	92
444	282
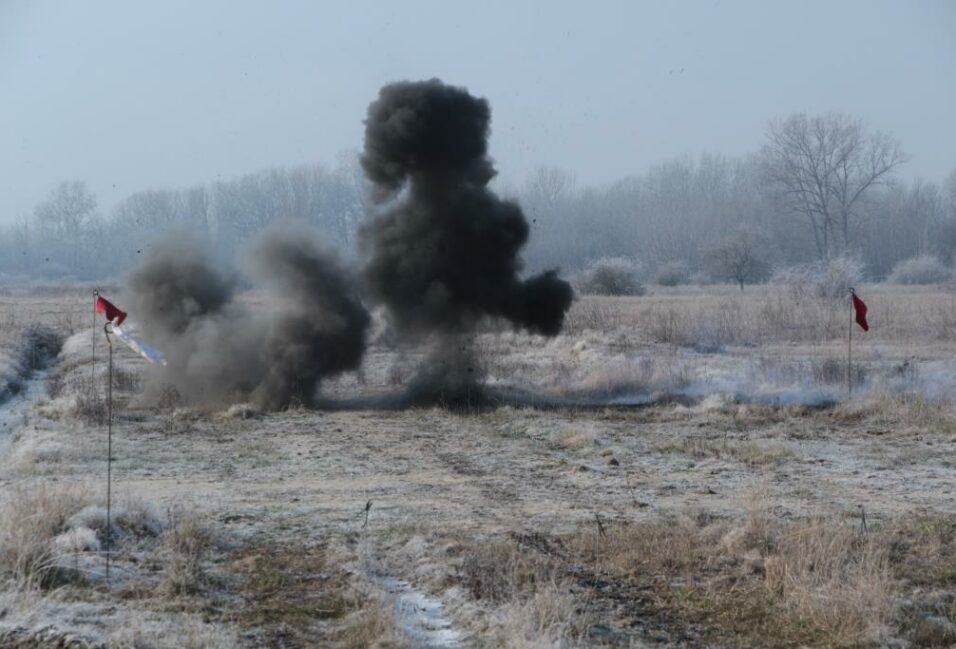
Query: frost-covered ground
692	411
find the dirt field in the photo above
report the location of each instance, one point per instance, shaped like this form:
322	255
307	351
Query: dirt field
681	469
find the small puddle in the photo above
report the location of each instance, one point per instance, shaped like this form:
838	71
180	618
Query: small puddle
421	618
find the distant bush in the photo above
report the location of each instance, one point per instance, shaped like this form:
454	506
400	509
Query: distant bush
611	276
700	279
835	277
740	257
672	273
925	269
823	279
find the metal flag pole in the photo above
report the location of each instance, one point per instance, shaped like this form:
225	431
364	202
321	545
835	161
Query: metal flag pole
849	351
109	451
96	295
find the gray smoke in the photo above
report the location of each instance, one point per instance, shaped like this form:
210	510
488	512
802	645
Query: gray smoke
308	324
444	251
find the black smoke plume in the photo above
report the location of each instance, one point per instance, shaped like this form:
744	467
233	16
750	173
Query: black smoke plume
444	252
309	323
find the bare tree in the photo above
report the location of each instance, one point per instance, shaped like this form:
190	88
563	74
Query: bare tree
822	166
546	187
547	197
923	211
739	258
66	208
63	215
949	189
348	197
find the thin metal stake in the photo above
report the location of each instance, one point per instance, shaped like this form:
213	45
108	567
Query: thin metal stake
96	295
109	454
849	351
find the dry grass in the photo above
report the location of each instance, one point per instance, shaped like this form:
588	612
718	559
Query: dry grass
924	551
810	583
30	521
288	588
550	617
749	453
500	571
763	582
832	578
303	596
722	316
186	546
89	408
819	582
802	584
902	413
576	438
372	626
529	597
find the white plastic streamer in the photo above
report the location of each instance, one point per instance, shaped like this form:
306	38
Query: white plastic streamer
151	354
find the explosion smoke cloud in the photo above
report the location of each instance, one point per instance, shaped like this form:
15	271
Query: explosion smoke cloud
444	252
219	350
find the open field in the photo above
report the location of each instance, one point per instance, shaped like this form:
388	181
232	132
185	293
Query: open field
680	469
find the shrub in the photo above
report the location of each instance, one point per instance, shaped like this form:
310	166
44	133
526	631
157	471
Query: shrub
835	277
925	269
672	273
700	279
825	279
610	276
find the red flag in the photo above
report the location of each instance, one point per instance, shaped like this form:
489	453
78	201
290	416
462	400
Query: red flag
108	309
860	307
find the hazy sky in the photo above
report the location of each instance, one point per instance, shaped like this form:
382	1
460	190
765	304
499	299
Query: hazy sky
131	95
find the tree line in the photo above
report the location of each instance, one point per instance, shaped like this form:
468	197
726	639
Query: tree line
821	187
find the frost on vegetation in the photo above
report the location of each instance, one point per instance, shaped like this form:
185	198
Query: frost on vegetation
29	453
136	518
830	279
75	540
39	620
145	630
673	273
611	276
925	269
9	377
43	531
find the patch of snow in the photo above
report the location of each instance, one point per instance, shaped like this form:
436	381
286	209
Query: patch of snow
421	618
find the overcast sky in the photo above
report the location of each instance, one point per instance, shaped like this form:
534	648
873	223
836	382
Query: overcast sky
131	95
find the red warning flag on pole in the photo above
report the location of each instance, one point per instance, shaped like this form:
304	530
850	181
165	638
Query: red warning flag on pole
108	309
860	308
